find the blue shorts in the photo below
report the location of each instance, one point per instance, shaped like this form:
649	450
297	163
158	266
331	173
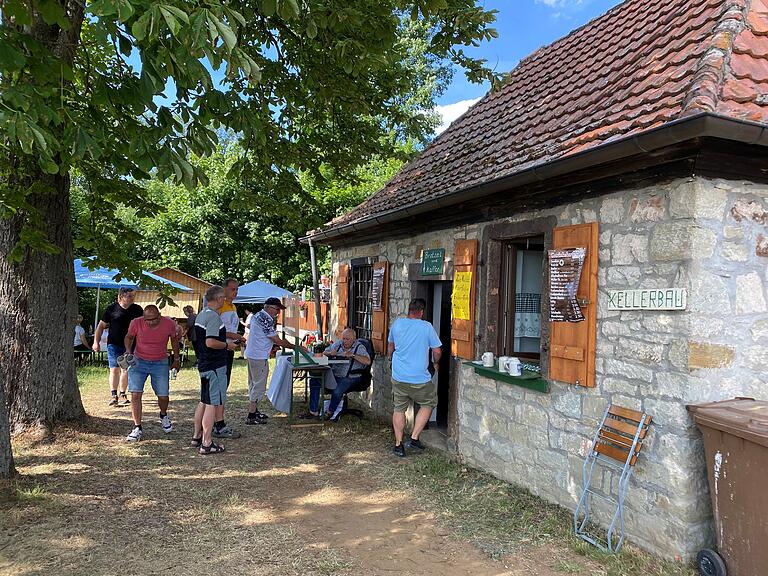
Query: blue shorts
213	387
157	370
113	351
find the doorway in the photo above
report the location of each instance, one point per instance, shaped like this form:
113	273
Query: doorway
438	313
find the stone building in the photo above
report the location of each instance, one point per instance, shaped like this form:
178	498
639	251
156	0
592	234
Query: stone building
641	137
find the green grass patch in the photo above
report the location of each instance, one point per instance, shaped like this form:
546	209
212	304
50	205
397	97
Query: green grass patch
31	494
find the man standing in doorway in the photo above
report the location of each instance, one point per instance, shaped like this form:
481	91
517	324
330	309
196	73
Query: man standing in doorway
117	317
410	342
261	338
150	335
212	336
231	321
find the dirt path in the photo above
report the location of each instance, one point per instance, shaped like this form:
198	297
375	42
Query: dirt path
280	501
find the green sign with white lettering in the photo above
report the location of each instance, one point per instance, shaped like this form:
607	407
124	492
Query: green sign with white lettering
432	262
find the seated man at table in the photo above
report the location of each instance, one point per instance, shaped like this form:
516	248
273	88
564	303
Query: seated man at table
347	374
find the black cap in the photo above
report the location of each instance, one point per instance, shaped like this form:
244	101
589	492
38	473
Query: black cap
274	302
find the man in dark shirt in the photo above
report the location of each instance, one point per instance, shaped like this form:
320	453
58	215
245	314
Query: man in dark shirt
191	332
117	317
212	365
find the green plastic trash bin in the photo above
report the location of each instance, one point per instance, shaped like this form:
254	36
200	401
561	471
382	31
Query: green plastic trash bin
736	448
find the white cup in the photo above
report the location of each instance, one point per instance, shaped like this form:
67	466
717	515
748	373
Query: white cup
503	363
514	367
488	359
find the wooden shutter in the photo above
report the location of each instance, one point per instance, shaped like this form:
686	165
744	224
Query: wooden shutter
463	330
342	298
572	344
379	318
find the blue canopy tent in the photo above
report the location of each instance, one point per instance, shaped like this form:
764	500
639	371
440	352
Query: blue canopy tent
105	278
257	292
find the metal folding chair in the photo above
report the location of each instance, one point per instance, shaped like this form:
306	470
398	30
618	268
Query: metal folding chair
616	446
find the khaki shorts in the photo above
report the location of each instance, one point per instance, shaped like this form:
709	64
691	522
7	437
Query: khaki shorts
422	394
258	371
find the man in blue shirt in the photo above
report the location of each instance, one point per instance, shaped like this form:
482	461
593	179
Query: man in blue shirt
410	341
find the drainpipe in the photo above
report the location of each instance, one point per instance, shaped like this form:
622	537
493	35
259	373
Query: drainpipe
316	285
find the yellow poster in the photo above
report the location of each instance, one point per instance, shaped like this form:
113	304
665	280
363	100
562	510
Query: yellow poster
462	287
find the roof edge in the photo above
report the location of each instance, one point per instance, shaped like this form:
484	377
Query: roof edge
705	124
709	77
180	272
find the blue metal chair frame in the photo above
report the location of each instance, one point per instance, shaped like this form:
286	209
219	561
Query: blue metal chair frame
616	446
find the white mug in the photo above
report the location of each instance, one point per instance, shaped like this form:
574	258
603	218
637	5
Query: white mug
503	363
514	367
488	359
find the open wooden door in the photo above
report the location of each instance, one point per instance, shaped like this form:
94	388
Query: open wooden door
572	344
463	299
342	298
380	314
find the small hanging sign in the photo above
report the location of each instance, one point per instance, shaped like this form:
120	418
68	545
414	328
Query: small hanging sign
432	262
564	275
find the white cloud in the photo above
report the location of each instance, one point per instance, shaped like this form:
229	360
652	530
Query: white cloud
451	112
560	3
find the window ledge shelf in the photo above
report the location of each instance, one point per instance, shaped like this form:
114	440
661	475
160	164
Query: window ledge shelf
531	380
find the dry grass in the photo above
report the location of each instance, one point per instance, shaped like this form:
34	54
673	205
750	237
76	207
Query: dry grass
503	519
282	501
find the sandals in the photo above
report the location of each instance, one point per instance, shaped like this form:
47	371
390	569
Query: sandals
211	449
196	442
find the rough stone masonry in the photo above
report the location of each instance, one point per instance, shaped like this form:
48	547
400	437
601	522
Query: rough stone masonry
707	236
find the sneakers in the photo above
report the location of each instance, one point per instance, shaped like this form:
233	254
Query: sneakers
225	432
399	451
113	401
135	435
416	444
261	415
254	420
165	422
124	399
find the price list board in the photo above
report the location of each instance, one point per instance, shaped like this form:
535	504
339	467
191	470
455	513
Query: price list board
565	268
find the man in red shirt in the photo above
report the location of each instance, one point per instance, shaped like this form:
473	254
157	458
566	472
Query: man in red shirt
150	334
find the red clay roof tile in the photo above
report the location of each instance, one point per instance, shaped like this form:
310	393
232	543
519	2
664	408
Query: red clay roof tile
641	65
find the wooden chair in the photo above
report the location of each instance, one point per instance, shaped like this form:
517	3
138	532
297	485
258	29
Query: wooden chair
616	445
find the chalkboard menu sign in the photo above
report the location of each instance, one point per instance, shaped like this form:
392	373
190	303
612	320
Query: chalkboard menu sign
432	262
564	274
377	288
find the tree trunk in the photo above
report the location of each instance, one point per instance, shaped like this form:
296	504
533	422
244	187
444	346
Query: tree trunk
38	306
6	455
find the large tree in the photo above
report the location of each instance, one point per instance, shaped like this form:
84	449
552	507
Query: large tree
123	90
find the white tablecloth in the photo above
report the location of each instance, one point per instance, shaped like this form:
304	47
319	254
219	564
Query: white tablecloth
281	385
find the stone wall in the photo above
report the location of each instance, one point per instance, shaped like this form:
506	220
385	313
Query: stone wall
703	235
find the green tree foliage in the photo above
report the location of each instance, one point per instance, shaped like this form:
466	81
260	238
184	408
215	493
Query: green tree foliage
127	90
221	229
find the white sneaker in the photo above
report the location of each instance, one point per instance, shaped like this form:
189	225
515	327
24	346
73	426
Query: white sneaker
165	422
135	435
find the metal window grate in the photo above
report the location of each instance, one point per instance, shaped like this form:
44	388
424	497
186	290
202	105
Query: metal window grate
362	280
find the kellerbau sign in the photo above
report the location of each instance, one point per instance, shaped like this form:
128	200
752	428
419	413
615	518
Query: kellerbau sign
651	299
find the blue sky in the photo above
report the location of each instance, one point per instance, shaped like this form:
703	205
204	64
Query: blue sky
523	26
